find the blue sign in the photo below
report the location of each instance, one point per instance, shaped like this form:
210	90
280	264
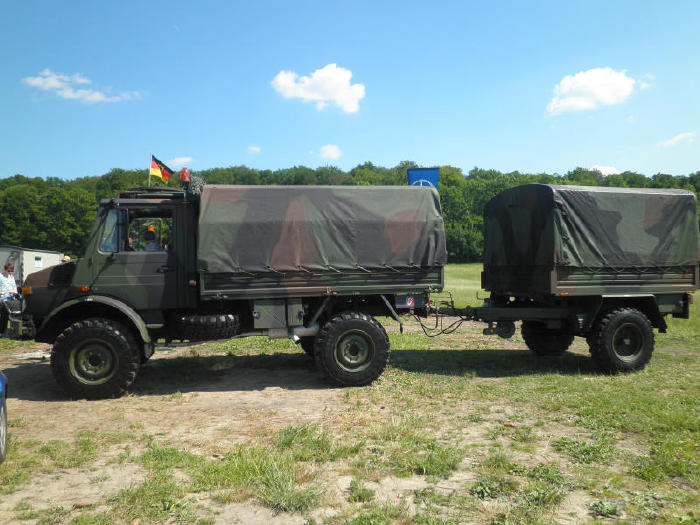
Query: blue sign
423	177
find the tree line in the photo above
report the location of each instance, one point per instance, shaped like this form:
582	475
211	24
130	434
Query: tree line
57	214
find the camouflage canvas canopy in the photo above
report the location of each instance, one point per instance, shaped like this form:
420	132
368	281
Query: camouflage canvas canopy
591	227
312	228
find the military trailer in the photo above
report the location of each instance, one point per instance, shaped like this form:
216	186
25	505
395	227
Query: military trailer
314	264
607	264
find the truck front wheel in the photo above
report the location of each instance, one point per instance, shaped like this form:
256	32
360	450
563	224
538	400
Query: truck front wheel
352	349
543	341
95	359
622	341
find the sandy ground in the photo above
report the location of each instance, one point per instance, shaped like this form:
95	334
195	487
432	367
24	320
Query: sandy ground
201	407
214	411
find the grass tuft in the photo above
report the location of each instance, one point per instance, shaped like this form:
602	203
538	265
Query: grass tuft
359	493
492	487
584	451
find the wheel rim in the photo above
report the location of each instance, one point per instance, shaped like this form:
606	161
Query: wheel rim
3	430
93	362
627	341
354	351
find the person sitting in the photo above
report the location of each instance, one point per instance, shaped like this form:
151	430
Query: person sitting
151	244
8	294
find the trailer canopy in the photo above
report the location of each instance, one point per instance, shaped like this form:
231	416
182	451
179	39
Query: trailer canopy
591	227
312	228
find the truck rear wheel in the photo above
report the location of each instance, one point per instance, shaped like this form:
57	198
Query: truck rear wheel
352	349
544	341
622	341
95	359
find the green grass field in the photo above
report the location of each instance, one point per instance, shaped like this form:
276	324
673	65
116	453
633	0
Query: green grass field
479	429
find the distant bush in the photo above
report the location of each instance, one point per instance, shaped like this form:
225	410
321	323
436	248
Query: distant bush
57	214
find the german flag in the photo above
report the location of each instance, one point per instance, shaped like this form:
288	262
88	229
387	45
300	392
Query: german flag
160	170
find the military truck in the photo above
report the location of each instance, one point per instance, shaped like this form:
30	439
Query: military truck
314	264
607	264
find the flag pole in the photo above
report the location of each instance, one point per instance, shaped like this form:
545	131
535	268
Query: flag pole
149	170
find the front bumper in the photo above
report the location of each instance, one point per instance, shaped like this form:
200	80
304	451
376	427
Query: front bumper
21	328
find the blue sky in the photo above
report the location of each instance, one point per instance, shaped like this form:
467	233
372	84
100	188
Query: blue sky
533	86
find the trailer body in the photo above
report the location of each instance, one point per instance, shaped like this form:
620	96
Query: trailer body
607	264
543	240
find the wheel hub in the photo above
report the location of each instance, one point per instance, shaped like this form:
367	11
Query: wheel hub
93	363
627	341
354	351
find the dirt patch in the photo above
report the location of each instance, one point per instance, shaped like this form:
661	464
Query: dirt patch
206	404
175	399
191	403
79	488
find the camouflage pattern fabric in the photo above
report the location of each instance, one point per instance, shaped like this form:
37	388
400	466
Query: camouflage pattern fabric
312	228
591	227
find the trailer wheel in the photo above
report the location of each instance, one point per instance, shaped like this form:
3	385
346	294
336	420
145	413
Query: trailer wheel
95	359
544	341
623	341
307	344
352	349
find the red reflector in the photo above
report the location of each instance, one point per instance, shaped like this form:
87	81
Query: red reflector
83	289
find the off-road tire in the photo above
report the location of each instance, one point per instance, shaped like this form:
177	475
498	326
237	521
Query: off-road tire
623	341
206	327
95	359
543	341
3	430
308	344
352	349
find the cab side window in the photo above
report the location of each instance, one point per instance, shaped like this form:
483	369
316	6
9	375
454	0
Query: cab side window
149	234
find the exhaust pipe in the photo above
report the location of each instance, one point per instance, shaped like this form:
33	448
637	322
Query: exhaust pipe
295	333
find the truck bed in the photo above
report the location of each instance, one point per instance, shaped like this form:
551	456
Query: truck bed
233	286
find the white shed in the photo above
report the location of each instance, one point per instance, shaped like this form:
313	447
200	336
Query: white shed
28	261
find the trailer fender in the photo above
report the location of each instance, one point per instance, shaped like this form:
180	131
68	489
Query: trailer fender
50	326
645	303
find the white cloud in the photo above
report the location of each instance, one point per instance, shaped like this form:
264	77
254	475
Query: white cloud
328	85
631	119
646	81
688	136
330	151
66	86
605	170
254	149
590	89
179	161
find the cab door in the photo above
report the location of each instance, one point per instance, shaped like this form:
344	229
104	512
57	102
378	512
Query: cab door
135	261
